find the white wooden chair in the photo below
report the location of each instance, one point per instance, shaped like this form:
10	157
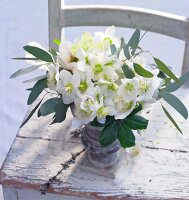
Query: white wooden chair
161	170
121	16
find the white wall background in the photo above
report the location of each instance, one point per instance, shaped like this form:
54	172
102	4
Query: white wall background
22	21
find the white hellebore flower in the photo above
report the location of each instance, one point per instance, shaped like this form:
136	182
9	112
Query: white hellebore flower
52	77
107	38
83	64
124	106
83	113
102	111
102	67
85	83
67	60
96	92
128	88
148	86
108	88
67	86
126	100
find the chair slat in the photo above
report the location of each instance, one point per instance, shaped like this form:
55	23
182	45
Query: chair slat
122	16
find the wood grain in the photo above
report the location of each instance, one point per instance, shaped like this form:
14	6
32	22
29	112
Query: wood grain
157	168
128	17
35	195
139	177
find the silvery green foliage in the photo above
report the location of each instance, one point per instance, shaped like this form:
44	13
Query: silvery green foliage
108	81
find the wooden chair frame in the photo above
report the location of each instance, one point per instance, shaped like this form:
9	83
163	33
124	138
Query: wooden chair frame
121	16
163	164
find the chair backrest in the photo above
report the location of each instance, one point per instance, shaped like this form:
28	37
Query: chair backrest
121	16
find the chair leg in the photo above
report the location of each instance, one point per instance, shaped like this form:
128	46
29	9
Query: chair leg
185	65
10	193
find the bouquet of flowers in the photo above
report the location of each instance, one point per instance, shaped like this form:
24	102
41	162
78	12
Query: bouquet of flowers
106	82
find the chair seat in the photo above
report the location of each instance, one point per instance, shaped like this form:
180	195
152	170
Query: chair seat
157	168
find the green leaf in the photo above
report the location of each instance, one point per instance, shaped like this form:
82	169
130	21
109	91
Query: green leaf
35	79
38	113
161	75
135	110
57	41
39	53
60	112
24	58
96	123
122	42
174	102
128	72
136	122
125	136
109	120
29	89
134	41
53	52
31	114
165	69
24	71
142	72
145	33
175	85
171	119
126	51
108	134
113	49
121	46
36	90
167	82
49	106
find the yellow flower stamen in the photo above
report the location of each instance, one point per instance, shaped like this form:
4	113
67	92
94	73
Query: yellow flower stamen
83	86
144	87
129	87
69	88
97	69
102	112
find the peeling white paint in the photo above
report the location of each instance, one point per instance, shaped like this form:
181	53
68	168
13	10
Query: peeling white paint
149	170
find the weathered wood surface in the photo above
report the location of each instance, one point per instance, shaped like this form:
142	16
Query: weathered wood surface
157	168
54	16
155	174
28	194
128	17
